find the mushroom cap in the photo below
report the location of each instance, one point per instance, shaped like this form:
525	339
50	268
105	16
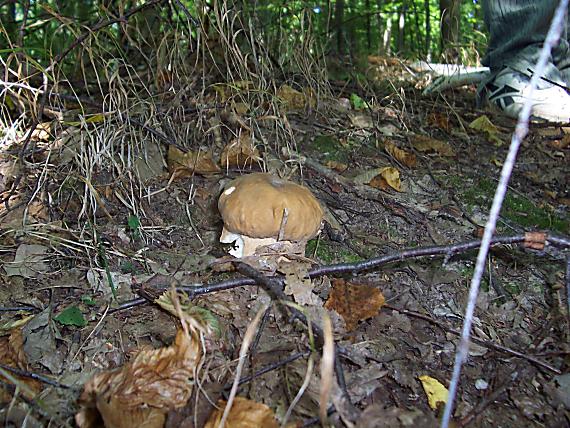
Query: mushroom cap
254	204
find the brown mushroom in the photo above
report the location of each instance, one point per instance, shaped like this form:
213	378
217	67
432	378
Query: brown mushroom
259	209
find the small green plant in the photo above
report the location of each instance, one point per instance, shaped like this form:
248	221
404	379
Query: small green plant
133	227
358	103
71	316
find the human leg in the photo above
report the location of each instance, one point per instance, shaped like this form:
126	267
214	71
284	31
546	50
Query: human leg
517	30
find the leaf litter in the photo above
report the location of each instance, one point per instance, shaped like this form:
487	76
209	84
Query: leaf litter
139	363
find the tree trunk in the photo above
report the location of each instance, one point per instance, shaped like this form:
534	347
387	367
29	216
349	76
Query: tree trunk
401	27
380	23
339	19
428	31
450	12
368	25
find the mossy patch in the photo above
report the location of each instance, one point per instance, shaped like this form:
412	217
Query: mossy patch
516	208
328	253
330	148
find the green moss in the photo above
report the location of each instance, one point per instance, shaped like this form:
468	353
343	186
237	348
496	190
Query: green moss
328	253
330	147
516	208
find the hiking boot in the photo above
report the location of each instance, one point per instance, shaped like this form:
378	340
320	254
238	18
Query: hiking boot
509	89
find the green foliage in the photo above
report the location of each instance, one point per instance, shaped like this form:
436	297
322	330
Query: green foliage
356	28
357	102
71	316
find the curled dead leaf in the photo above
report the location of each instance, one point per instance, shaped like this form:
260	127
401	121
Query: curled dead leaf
424	143
12	355
244	414
240	152
389	177
140	393
190	163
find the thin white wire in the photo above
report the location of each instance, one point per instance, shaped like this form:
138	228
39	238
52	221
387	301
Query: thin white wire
520	133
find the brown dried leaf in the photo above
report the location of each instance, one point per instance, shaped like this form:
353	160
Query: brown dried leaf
424	143
292	98
187	164
406	158
240	152
142	391
298	284
535	240
12	355
243	414
354	302
440	121
336	165
42	132
389	177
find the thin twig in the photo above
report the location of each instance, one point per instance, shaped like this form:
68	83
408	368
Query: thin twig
34	376
350	268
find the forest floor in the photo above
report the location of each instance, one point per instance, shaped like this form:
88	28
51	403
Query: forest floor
58	274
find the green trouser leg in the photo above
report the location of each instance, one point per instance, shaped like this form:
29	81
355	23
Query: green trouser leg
517	30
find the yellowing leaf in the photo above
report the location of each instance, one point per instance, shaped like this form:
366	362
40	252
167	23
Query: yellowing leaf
243	414
484	125
406	158
96	118
424	143
389	177
189	163
435	391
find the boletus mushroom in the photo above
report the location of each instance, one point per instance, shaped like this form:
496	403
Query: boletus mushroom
260	209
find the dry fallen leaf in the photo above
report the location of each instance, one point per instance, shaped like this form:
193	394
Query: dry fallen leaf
12	355
406	158
361	120
140	393
29	261
336	165
187	164
294	99
435	391
42	132
424	143
244	414
298	283
483	124
389	177
439	120
354	302
240	152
